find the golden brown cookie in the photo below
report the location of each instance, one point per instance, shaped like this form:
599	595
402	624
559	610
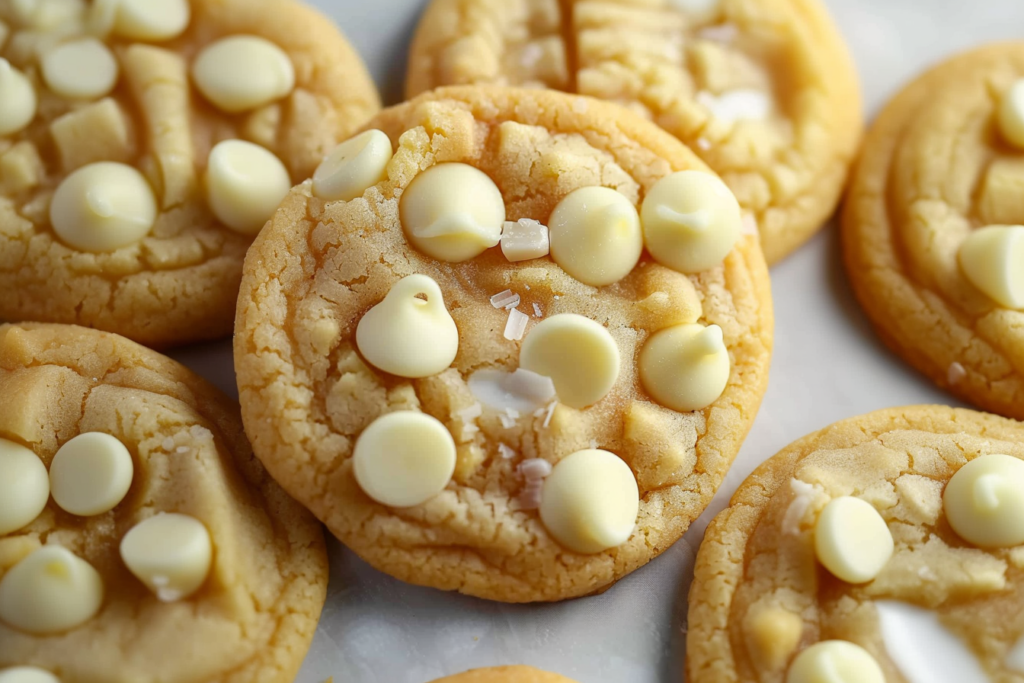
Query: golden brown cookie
183	561
505	674
938	169
764	92
886	547
417	405
119	207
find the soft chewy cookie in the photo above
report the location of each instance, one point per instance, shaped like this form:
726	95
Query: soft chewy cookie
505	674
888	547
423	363
139	537
144	142
931	229
764	92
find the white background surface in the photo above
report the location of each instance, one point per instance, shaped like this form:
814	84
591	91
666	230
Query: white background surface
828	365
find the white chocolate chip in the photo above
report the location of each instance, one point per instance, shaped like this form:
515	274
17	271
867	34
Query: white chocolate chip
91	474
170	553
452	212
984	501
698	11
353	166
524	239
691	221
50	591
578	354
24	486
992	259
404	459
736	105
245	184
852	540
835	661
596	236
83	69
92	133
103	207
685	367
1011	114
19	98
515	326
151	20
590	501
409	336
240	73
521	390
27	674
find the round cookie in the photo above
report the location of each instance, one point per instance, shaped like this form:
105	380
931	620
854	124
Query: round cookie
534	466
115	211
505	674
927	500
936	170
764	92
202	569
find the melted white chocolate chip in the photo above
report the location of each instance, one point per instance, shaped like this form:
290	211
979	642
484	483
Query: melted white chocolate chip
91	474
245	184
170	553
19	98
578	354
103	207
151	20
1011	114
404	459
685	367
240	73
409	336
83	69
50	591
835	661
589	502
922	648
524	239
452	212
353	166
24	486
984	501
27	674
596	236
992	259
852	540
691	221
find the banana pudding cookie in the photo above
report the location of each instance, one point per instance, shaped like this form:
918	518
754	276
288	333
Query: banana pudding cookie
504	344
143	143
140	539
888	547
764	92
506	674
932	229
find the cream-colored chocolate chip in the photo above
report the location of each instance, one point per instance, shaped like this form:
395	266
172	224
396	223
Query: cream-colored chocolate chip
95	132
151	20
404	459
245	183
409	336
524	239
19	98
578	354
992	259
353	166
83	69
1011	114
984	501
103	207
772	635
240	73
24	486
685	367
452	212
852	540
691	221
170	553
590	501
50	591
596	236
27	674
835	661
91	474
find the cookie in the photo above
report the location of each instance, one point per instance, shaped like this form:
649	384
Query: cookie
885	547
928	232
764	92
143	144
505	674
424	367
139	537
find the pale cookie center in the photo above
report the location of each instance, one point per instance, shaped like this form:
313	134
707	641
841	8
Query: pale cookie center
984	501
245	184
852	540
24	486
992	258
82	69
685	367
240	73
27	674
18	97
596	235
170	553
835	661
91	474
151	20
50	591
353	166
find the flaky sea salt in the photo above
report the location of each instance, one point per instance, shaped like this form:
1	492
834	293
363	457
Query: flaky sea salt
516	325
549	413
534	468
504	299
957	373
472	412
505	451
537	313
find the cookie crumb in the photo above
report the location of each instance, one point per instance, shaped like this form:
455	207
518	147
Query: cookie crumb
516	325
957	373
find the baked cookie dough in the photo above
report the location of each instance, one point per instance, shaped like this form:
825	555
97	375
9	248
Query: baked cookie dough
140	539
144	143
888	547
931	228
506	674
764	92
418	369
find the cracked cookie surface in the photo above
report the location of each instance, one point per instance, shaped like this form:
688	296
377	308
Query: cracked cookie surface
308	394
764	92
255	615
